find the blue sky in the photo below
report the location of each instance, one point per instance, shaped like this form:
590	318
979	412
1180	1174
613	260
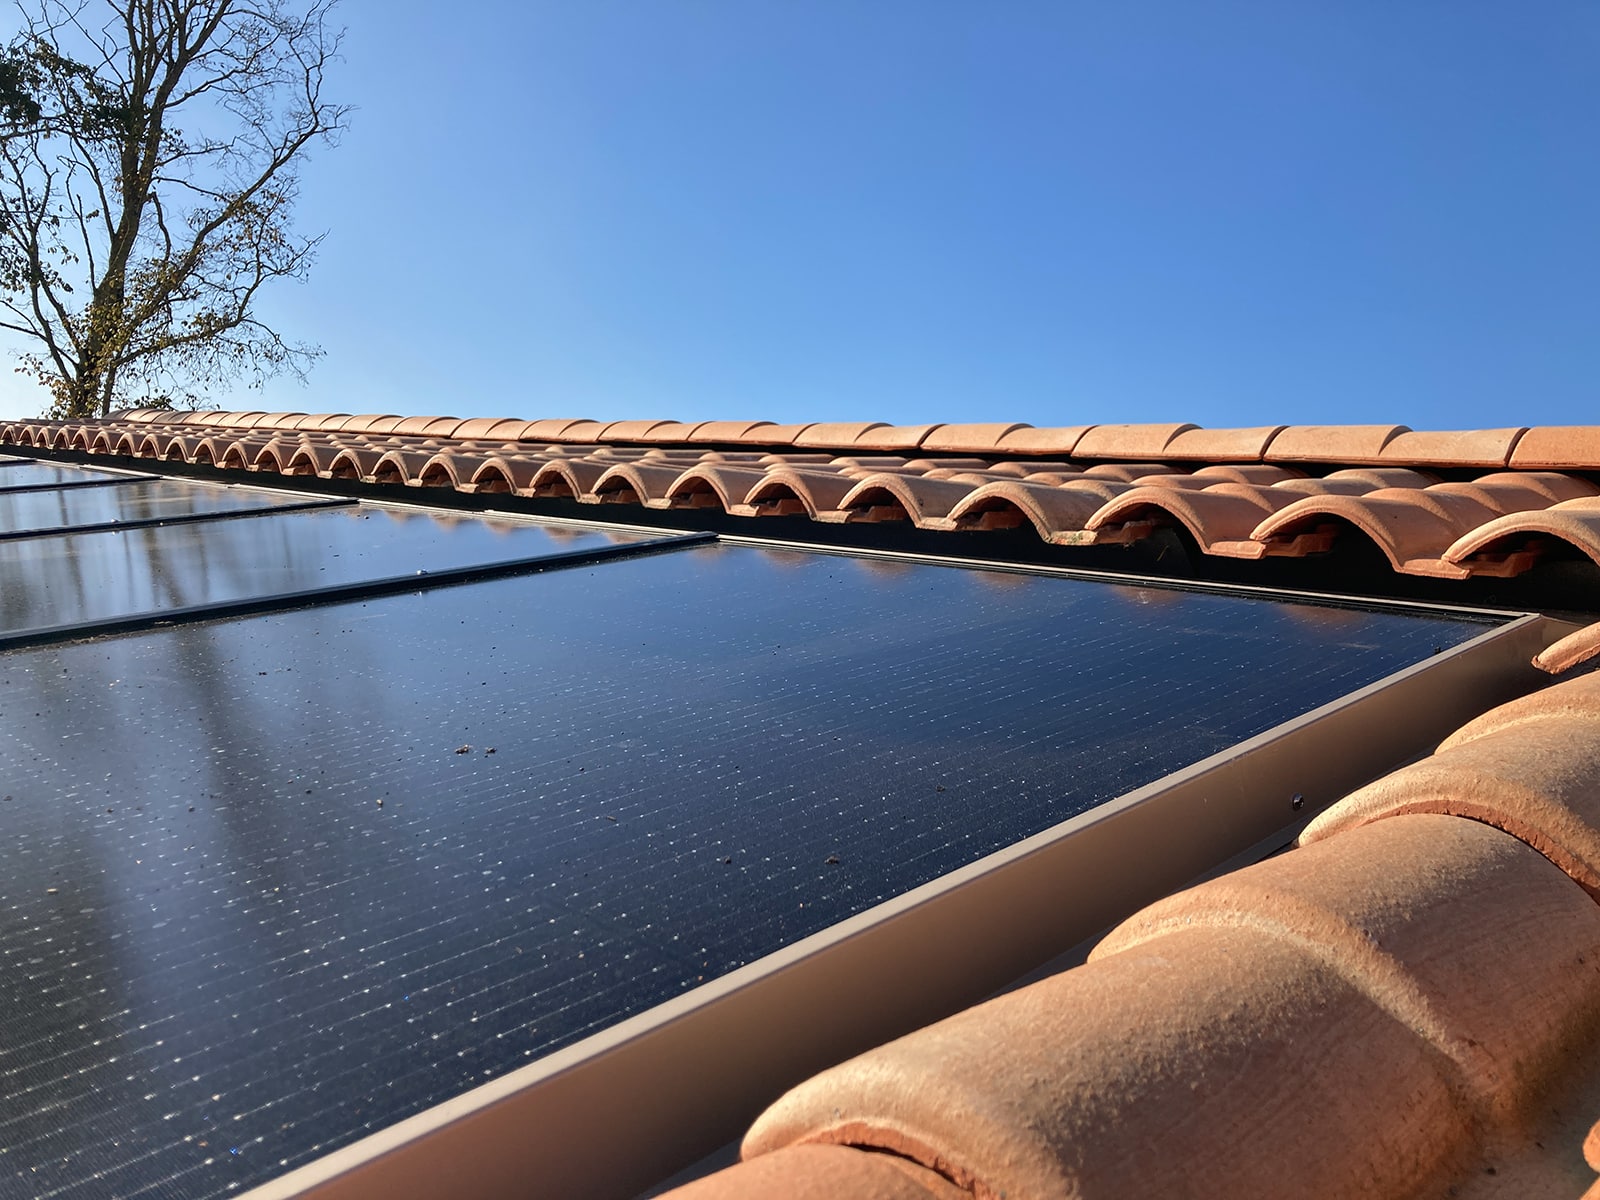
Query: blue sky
1227	213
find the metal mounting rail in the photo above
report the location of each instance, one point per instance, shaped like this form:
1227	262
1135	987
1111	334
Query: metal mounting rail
342	592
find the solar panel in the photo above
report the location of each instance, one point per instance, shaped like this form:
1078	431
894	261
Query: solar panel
270	884
75	578
37	475
34	512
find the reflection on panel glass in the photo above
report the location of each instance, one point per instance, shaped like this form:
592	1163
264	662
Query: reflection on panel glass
141	500
37	474
272	884
78	577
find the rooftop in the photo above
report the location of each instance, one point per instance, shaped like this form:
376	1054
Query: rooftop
801	790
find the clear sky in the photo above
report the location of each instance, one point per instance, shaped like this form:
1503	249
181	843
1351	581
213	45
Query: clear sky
928	210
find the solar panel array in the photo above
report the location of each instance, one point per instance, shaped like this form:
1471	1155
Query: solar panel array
271	882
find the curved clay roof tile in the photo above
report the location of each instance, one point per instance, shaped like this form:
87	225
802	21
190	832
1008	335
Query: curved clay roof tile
834	435
1558	448
1221	445
1500	547
1141	1073
1456	448
715	485
731	432
1219	519
1528	768
1353	444
888	496
968	439
1136	442
788	491
1059	514
644	483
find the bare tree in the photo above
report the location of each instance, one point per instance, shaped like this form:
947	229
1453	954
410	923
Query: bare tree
148	172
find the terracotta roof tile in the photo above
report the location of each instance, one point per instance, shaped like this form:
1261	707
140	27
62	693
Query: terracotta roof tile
789	491
1058	514
1221	445
641	482
429	426
326	422
310	458
1133	1075
671	432
1458	448
561	478
1052	441
835	435
1510	544
557	429
891	497
715	485
1449	924
968	439
371	423
1529	768
632	431
354	461
734	432
766	434
1258	474
1221	518
1571	650
1134	442
1499	524
1353	444
449	469
401	466
1558	448
277	420
1414	527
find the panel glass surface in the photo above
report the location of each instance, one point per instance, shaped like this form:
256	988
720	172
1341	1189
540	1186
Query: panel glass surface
38	474
271	884
142	500
79	577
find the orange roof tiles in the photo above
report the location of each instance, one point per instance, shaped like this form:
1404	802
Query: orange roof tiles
1461	448
1220	445
1332	443
1308	488
1128	441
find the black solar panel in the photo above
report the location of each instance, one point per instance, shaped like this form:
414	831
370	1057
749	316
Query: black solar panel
73	578
142	500
36	474
270	884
